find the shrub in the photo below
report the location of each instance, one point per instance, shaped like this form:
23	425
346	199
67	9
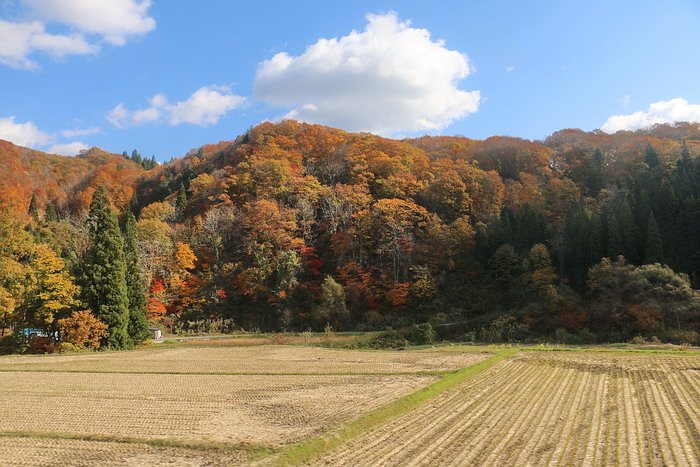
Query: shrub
422	334
388	340
503	329
14	344
38	344
683	337
82	329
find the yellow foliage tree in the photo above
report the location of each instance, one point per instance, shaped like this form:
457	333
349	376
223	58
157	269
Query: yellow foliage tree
55	290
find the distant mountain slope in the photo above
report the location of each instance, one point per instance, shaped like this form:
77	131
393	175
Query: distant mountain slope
68	181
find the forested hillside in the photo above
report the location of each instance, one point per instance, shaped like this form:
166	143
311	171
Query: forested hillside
583	236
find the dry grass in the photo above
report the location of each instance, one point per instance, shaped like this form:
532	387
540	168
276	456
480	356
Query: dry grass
550	409
267	359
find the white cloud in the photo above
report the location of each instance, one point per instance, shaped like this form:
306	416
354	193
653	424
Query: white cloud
204	107
23	134
114	20
386	79
118	116
675	110
19	40
27	134
510	68
81	132
68	149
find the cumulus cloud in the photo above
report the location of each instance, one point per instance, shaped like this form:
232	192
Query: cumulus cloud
19	40
386	79
675	110
23	134
114	21
68	149
27	134
81	132
204	107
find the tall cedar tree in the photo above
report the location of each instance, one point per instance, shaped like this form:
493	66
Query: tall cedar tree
181	203
651	157
653	247
104	272
51	212
138	325
33	208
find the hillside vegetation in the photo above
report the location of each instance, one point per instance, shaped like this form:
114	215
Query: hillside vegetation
581	237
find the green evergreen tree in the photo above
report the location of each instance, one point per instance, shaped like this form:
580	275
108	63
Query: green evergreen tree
653	247
614	237
685	162
629	233
51	214
33	208
668	215
594	241
138	325
596	181
505	271
181	203
651	157
104	272
134	204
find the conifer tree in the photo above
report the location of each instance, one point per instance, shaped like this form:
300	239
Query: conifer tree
181	203
596	181
104	272
33	208
651	157
51	213
653	247
629	233
615	247
138	325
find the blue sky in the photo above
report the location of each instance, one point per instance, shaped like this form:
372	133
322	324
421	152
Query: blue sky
167	76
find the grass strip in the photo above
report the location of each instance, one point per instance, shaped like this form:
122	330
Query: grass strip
155	442
602	350
306	450
239	373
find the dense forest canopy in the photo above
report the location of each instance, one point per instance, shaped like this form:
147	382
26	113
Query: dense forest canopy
583	236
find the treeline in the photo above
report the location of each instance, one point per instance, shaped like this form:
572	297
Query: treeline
146	163
582	237
93	300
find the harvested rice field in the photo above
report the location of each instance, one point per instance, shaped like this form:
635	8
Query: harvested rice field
251	360
269	409
550	408
282	405
37	452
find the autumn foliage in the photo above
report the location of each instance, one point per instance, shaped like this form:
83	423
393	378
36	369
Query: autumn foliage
299	226
82	329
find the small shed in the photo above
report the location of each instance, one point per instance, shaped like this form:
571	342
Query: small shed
155	333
